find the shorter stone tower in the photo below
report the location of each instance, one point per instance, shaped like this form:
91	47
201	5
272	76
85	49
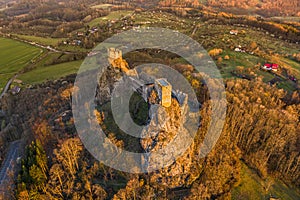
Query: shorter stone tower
114	54
164	90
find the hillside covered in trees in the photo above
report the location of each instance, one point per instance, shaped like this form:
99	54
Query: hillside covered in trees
261	130
262	7
258	153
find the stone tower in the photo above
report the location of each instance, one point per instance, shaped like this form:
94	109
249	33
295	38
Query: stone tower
164	90
113	54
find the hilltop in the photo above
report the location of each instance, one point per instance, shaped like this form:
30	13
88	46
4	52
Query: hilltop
263	8
257	154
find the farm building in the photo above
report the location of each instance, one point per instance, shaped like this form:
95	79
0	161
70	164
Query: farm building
234	32
15	90
271	67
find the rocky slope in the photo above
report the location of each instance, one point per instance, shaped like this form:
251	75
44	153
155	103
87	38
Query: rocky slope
167	134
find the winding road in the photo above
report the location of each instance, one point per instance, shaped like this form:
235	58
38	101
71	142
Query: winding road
6	88
9	167
48	47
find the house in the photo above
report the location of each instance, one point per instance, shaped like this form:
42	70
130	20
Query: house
267	66
76	42
93	30
240	49
271	67
79	34
234	32
18	81
15	90
293	78
237	49
275	67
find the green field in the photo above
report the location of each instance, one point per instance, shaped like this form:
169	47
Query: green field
102	6
52	72
41	40
14	57
252	187
237	59
115	15
3	81
48	41
286	19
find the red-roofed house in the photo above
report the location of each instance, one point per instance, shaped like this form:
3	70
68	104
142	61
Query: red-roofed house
275	67
234	32
269	66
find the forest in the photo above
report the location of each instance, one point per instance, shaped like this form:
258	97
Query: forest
261	130
262	124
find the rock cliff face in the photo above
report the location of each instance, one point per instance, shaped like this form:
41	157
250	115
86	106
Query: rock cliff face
168	133
168	127
106	84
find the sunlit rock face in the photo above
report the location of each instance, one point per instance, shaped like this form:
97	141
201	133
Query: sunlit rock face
161	140
166	139
106	84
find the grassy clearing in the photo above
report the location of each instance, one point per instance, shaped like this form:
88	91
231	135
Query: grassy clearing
71	48
115	15
41	40
52	72
286	19
47	41
249	187
102	6
252	187
286	85
293	66
237	59
14	56
250	61
3	81
54	58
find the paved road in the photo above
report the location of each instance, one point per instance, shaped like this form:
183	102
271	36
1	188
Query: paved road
9	163
45	47
9	169
7	86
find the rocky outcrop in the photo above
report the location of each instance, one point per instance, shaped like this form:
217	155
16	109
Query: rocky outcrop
106	84
168	133
167	126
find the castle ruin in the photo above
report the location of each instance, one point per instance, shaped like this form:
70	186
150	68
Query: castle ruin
161	86
114	54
